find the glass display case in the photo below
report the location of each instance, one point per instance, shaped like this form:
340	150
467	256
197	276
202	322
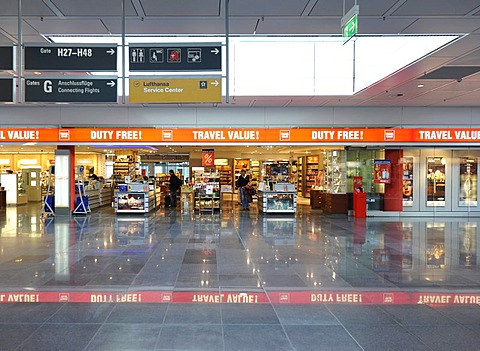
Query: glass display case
277	201
468	181
436	181
335	168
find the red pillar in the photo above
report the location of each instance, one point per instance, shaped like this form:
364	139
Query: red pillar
393	199
71	148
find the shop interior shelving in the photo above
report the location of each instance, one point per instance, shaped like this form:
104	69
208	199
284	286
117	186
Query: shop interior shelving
207	191
225	174
255	172
126	165
335	166
300	176
312	167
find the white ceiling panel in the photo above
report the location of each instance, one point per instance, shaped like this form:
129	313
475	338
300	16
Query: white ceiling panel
34	39
471	59
4	40
267	8
467	97
443	25
93	8
436	8
11	26
367	8
440	95
262	101
72	26
29	8
459	48
465	86
168	26
304	26
388	25
331	8
194	8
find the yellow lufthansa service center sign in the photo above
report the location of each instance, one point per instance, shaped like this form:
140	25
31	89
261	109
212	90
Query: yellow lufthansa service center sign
175	90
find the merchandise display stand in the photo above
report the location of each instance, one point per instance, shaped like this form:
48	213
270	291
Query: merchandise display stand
47	205
81	202
207	192
283	199
135	197
207	203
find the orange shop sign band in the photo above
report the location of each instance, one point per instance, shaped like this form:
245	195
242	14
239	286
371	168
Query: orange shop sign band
242	135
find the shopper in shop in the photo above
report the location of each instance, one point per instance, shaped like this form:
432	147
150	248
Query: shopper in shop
242	181
175	184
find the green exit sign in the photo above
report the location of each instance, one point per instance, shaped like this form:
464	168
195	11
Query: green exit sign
350	28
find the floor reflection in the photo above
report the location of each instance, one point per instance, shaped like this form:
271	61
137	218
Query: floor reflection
187	250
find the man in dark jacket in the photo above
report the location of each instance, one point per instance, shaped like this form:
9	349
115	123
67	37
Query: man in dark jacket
242	181
175	184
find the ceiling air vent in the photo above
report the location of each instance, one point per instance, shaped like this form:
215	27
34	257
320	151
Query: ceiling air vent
452	72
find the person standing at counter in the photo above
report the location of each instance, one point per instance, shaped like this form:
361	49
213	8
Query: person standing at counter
175	184
242	181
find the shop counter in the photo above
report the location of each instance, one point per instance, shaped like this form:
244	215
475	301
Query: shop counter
134	199
277	201
328	202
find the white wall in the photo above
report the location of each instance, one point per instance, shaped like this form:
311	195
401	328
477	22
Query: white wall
119	116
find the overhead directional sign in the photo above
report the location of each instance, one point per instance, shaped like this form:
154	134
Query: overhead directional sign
6	90
175	90
71	90
176	57
6	58
68	58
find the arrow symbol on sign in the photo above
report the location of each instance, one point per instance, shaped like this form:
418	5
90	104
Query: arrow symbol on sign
215	51
215	82
111	84
111	51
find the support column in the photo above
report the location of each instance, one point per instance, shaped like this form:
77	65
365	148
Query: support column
71	148
393	200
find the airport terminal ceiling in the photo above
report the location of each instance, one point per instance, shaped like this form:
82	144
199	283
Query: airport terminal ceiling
447	77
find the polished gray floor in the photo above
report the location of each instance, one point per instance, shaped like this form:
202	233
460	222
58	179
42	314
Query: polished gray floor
182	251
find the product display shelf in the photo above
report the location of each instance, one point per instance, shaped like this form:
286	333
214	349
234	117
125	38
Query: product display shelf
312	167
300	176
225	174
277	201
255	172
207	192
126	166
335	167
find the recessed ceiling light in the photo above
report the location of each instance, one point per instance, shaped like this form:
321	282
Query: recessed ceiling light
420	85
